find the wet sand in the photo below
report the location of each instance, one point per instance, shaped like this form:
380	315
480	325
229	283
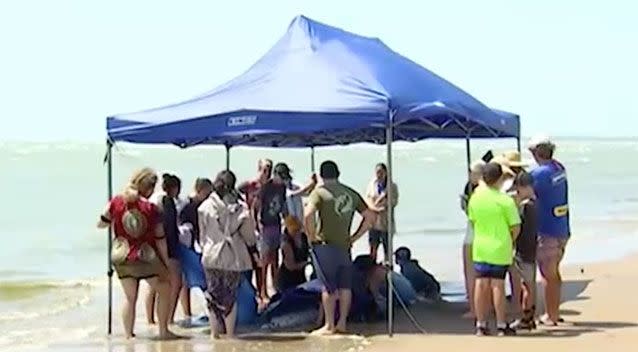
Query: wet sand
598	305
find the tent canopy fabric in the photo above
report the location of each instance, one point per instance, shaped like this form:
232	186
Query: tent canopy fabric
320	85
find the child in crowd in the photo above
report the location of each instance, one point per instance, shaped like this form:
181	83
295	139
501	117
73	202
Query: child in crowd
422	281
496	222
526	243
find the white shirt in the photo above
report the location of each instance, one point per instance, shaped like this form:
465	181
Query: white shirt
294	202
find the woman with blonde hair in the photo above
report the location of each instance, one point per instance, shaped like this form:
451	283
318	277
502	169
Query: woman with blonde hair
139	250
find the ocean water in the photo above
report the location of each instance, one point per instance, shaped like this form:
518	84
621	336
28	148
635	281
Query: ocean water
53	260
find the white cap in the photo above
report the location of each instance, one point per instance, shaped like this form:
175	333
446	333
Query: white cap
540	139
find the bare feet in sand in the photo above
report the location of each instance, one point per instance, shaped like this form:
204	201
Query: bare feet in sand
324	331
168	335
217	337
341	329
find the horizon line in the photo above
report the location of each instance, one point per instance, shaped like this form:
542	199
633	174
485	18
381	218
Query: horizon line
523	138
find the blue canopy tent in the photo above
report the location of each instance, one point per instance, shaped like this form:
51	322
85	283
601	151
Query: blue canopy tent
318	86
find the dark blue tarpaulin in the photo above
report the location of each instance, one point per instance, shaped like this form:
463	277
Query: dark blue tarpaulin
320	85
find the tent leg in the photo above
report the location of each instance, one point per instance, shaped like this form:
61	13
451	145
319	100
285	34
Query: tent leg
518	144
109	180
312	160
468	153
227	156
389	135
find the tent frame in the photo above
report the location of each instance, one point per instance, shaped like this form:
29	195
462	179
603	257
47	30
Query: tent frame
389	137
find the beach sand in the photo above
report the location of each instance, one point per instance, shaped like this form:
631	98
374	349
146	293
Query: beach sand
599	307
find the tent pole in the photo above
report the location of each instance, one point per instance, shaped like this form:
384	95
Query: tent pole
227	156
389	135
312	160
518	143
468	153
109	180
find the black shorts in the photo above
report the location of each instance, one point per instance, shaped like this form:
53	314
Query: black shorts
378	237
490	271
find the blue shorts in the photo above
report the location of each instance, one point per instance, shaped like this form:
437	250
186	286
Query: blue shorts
490	271
333	266
270	239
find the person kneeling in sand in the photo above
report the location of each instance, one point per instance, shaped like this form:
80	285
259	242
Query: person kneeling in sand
422	281
496	223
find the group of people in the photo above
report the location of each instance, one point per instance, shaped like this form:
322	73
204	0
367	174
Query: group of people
516	221
239	231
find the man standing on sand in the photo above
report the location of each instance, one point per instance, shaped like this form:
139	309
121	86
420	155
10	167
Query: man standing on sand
250	190
550	186
496	222
336	204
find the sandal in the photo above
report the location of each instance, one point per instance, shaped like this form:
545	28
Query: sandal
545	321
483	331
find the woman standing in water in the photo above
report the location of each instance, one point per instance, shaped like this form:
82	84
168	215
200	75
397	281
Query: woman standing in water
139	248
171	185
376	197
226	229
475	176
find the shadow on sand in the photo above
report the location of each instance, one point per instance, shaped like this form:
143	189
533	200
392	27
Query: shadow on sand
446	318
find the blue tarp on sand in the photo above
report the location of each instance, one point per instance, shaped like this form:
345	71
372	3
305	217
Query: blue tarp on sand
319	85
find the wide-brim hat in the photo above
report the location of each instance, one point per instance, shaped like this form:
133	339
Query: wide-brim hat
505	165
514	159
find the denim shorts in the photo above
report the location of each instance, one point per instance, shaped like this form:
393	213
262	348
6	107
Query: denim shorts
333	266
270	239
490	271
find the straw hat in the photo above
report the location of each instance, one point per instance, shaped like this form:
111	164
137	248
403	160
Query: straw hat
505	164
514	159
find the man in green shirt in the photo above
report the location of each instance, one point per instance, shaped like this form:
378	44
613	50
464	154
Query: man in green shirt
496	221
336	204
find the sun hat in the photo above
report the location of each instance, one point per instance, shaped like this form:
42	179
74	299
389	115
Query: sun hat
505	165
514	159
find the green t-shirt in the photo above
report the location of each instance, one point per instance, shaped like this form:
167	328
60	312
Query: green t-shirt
336	204
493	213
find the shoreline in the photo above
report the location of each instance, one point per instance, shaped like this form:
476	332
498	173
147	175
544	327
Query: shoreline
596	313
597	303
